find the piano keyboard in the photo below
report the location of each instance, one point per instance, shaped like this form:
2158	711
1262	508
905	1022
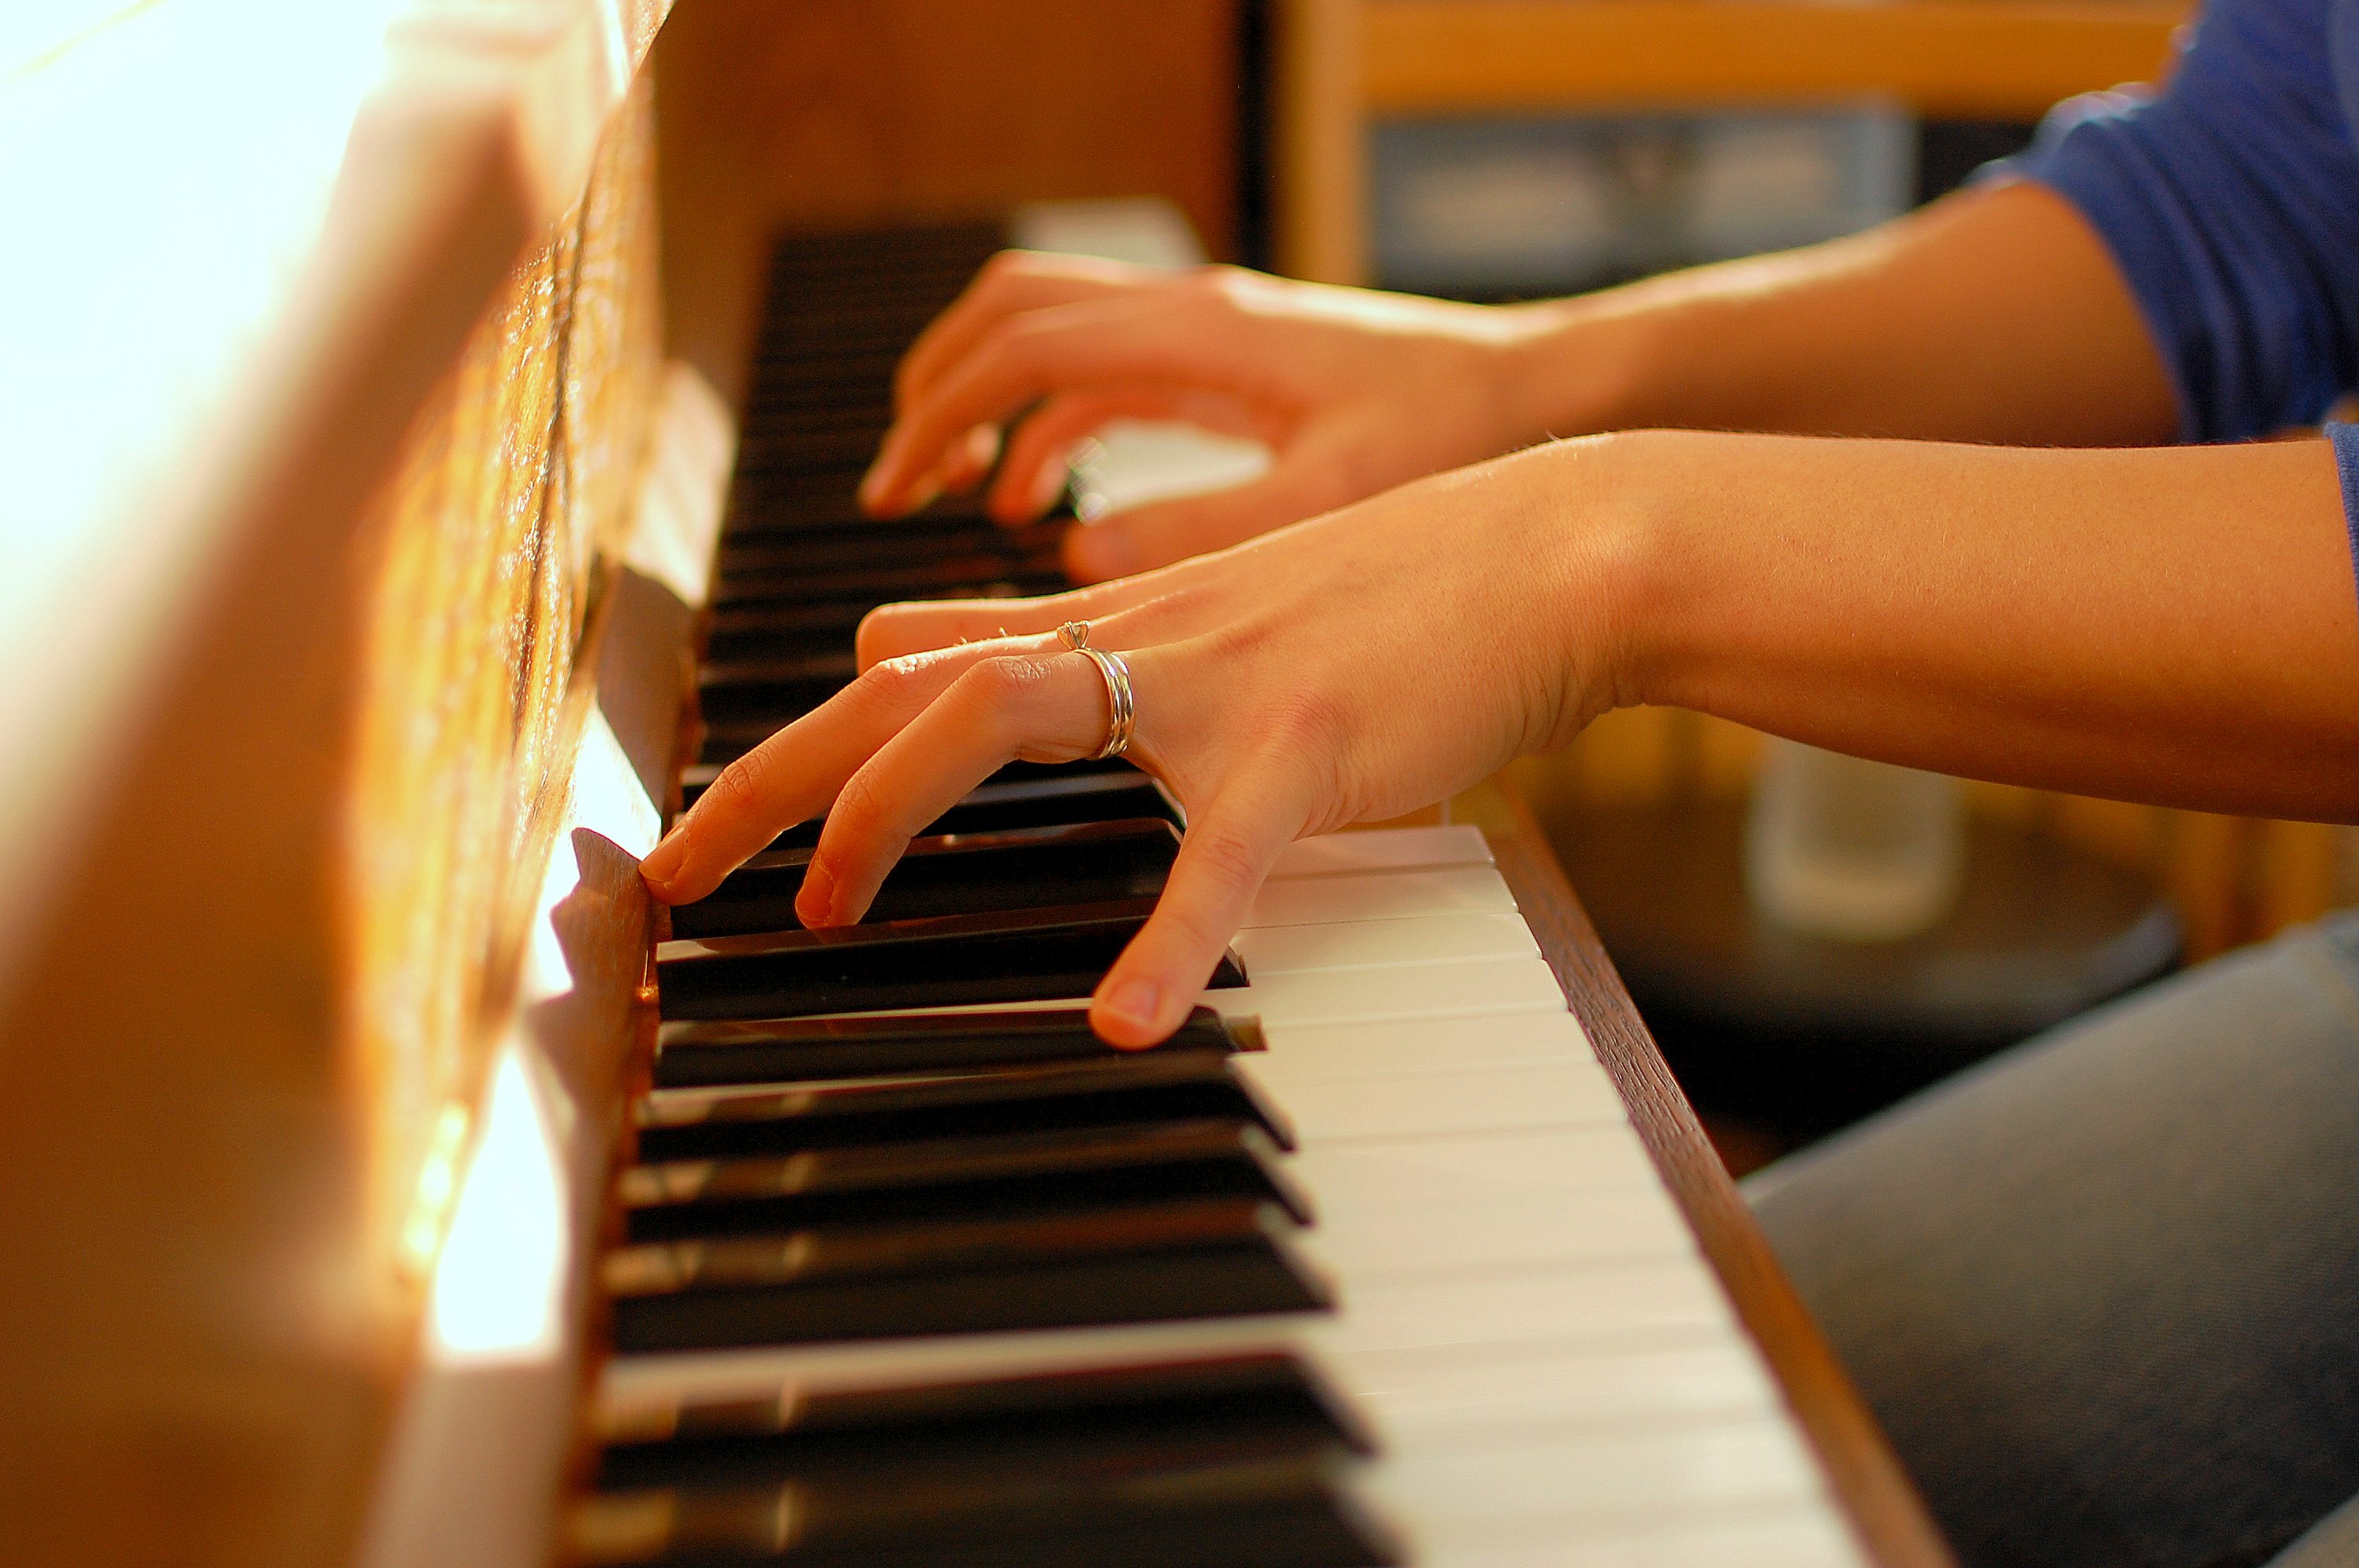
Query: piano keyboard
1368	1267
1547	1369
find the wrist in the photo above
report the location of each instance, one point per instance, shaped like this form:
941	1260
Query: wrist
1606	513
1574	367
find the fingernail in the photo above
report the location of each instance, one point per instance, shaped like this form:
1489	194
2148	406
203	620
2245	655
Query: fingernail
815	905
1134	1002
662	863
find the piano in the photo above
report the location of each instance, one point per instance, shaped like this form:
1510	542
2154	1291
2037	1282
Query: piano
393	1185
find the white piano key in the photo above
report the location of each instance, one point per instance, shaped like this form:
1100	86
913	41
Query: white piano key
1409	1175
1555	1373
1802	1533
1463	989
1306	1053
1592	1228
1429	1396
1398	848
1410	940
1495	1099
1382	895
1626	1479
1504	1306
1431	1207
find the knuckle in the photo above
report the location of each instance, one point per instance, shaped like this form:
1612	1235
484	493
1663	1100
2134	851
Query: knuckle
876	629
1026	344
1192	932
858	809
1309	723
1001	266
1004	681
740	788
893	684
1216	280
1225	860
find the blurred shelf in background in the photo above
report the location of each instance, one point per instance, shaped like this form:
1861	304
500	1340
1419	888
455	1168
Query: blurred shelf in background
1344	65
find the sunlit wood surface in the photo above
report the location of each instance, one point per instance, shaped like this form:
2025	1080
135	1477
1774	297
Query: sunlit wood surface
245	1022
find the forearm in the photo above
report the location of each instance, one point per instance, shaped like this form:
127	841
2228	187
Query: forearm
2176	626
1994	316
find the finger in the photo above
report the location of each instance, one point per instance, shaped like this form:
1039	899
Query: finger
1010	283
893	630
1041	705
1119	339
1034	469
794	775
1144	538
968	459
1226	855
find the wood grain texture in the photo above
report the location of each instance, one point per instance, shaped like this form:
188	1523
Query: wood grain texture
1864	1476
2002	59
486	532
210	1119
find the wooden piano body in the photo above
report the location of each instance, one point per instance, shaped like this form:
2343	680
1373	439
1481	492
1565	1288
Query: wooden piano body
343	707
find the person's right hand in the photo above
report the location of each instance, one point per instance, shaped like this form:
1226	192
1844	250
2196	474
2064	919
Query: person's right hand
1354	391
1347	668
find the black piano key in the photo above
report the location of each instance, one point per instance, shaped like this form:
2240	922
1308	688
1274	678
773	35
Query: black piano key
957	960
775	689
969	573
991	1440
997	1175
1148	1264
958	873
1168	1083
1011	804
929	535
778	631
691	1439
779	1049
1013	781
769	506
1283	1512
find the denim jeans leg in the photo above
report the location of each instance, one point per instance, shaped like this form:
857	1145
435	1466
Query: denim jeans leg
2103	1290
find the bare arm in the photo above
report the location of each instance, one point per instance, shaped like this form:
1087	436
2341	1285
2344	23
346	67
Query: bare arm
2174	625
1993	315
1996	314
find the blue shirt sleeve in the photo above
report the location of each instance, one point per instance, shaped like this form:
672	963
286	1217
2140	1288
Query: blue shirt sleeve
2345	441
2231	202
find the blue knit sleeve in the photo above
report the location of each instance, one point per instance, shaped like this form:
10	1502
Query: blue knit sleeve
2345	439
2231	202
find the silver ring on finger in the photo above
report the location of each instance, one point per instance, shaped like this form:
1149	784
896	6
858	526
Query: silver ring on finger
1121	709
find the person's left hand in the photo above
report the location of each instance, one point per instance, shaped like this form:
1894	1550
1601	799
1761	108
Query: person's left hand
1355	667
